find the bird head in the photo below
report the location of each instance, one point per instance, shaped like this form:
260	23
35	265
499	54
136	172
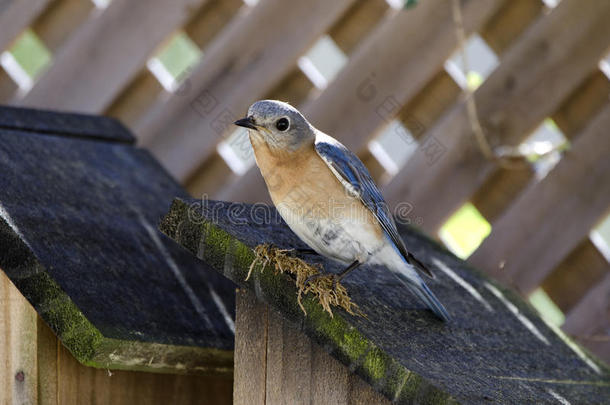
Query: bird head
278	124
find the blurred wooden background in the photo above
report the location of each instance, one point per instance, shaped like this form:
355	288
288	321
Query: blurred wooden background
387	82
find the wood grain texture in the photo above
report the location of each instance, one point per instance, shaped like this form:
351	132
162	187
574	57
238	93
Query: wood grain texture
589	321
251	332
211	19
499	191
106	53
59	20
509	22
74	383
15	16
37	369
277	364
551	217
582	105
8	87
580	271
132	103
537	73
380	77
357	23
244	59
17	347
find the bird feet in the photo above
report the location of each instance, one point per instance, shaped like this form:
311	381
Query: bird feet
303	252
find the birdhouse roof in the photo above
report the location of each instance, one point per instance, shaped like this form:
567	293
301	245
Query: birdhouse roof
79	209
495	349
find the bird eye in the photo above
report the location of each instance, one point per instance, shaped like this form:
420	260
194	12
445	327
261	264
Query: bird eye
282	124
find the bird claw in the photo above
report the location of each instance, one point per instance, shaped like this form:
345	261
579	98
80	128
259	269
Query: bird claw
302	252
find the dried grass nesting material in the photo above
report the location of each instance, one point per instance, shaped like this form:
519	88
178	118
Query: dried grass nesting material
283	261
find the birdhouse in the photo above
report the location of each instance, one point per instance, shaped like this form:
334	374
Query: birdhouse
288	349
101	305
98	305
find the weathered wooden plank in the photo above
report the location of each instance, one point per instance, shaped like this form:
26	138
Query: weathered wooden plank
251	333
278	364
583	104
49	374
503	185
15	16
60	20
590	319
135	99
210	19
299	371
292	378
106	54
380	77
429	104
499	190
295	88
383	69
330	380
8	87
37	369
536	74
17	346
210	177
274	352
575	275
356	23
442	91
249	56
551	217
62	380
509	22
499	33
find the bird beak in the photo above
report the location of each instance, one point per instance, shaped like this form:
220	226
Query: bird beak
247	122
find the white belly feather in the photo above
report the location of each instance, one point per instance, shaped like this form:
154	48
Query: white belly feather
342	239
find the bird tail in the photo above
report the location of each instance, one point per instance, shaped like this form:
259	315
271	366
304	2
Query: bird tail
422	292
417	287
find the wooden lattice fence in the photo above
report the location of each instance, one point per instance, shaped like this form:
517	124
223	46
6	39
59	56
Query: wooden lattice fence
548	67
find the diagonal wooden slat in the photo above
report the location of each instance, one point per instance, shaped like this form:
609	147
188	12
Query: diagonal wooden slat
249	56
357	22
551	217
382	75
589	321
536	74
60	20
17	15
580	271
349	31
105	54
504	185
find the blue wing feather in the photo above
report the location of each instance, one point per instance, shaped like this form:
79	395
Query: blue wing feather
353	171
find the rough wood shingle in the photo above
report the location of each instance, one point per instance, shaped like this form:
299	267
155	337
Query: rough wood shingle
79	207
495	349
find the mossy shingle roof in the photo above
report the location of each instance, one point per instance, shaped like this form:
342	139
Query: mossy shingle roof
79	209
494	350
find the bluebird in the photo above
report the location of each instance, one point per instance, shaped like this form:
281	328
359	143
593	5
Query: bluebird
327	197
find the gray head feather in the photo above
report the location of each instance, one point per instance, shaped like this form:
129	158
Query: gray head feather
267	114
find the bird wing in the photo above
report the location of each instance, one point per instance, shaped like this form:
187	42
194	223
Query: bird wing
355	177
